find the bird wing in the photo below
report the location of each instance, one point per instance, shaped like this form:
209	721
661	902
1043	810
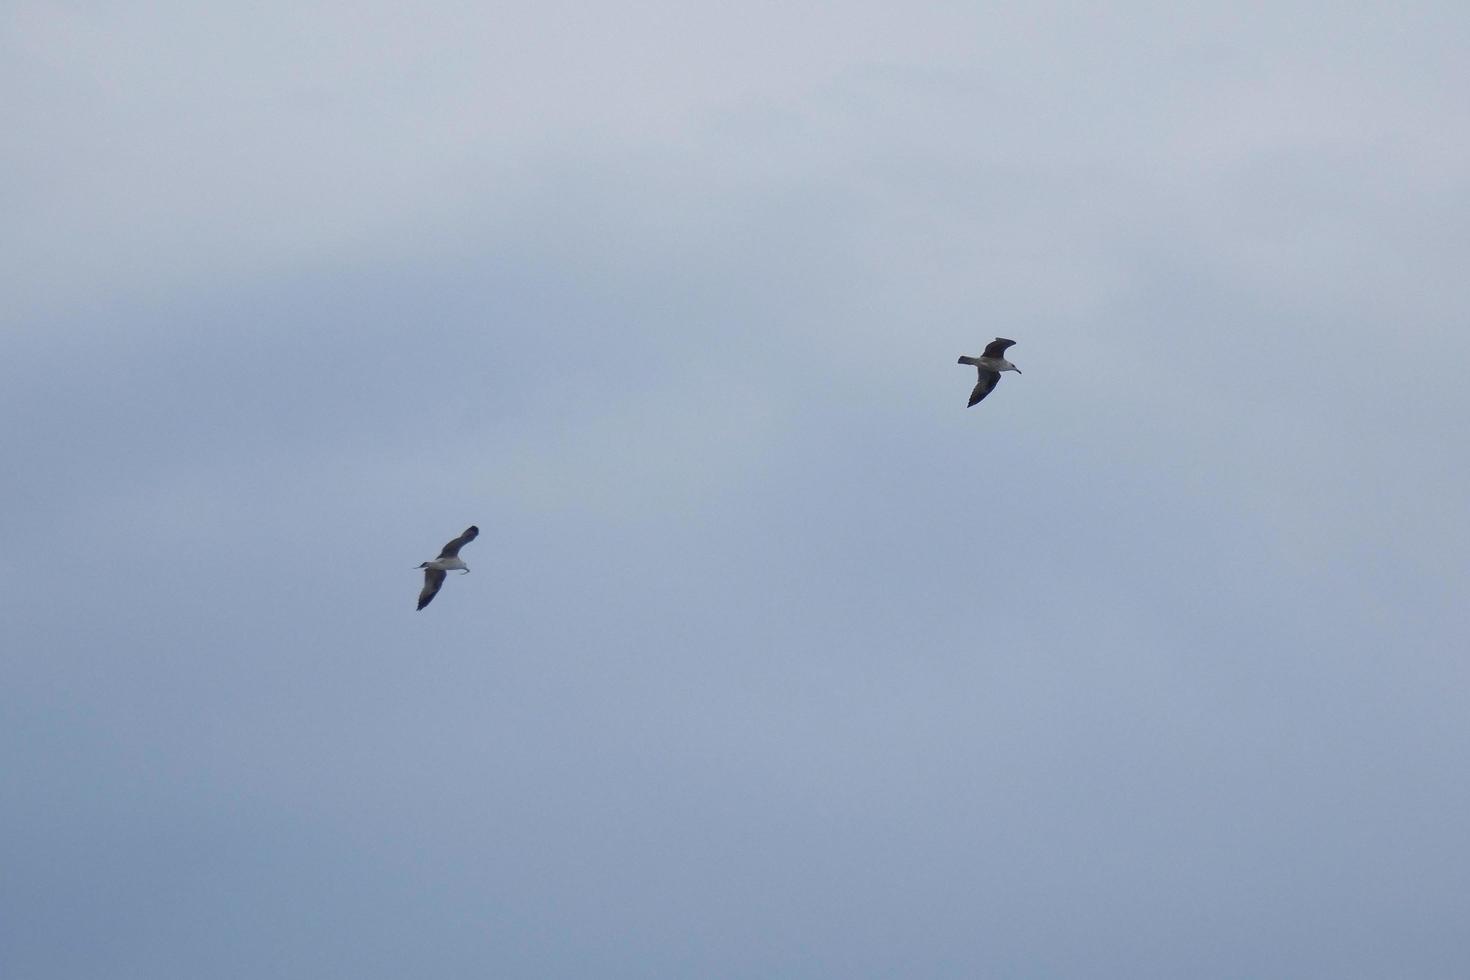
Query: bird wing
451	550
997	347
433	578
984	386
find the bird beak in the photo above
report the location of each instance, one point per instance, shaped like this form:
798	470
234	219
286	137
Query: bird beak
1018	370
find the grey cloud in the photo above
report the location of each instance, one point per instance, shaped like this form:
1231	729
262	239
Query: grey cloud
775	659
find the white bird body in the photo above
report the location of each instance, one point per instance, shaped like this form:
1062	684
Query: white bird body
452	564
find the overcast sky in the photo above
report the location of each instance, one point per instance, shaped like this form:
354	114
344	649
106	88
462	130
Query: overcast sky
775	660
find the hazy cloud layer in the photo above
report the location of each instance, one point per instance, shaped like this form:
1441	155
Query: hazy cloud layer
775	660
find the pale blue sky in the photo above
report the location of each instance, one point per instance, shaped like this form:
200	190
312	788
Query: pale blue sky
775	660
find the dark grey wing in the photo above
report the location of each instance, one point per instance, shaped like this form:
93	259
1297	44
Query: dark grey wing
451	550
984	386
997	347
433	578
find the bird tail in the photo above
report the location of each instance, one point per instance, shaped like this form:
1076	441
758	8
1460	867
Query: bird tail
966	360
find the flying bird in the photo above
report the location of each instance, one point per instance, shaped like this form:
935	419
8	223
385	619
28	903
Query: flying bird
990	365
447	561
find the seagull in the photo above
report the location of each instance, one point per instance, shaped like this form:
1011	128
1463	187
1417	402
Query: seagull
990	365
448	560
